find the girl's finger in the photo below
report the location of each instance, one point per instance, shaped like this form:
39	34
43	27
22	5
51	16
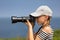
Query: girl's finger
28	21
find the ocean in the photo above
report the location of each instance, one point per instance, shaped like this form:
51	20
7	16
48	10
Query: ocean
9	30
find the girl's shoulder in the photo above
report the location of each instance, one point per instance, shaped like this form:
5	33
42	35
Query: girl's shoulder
48	29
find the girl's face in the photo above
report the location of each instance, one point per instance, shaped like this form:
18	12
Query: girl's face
41	19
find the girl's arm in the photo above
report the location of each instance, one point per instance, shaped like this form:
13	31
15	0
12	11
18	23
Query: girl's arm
30	30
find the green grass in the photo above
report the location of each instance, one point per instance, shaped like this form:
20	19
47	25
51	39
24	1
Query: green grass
13	38
55	37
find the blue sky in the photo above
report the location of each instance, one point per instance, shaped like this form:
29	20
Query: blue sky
10	8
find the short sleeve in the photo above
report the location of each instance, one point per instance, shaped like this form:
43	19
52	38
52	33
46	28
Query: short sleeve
50	37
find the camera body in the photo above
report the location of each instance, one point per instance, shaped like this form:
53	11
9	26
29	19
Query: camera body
16	19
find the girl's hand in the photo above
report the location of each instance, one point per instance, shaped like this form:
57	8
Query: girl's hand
28	23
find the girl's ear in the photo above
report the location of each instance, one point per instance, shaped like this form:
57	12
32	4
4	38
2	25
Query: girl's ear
46	17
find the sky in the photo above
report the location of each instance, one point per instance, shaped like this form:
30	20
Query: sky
10	8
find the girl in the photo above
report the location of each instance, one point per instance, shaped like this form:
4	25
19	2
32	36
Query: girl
42	16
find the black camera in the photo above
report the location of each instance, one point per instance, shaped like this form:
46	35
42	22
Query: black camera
16	19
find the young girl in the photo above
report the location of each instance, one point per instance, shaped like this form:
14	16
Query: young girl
42	16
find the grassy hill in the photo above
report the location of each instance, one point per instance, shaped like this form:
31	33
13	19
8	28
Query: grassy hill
55	37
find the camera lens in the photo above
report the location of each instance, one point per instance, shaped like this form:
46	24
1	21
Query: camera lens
16	19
